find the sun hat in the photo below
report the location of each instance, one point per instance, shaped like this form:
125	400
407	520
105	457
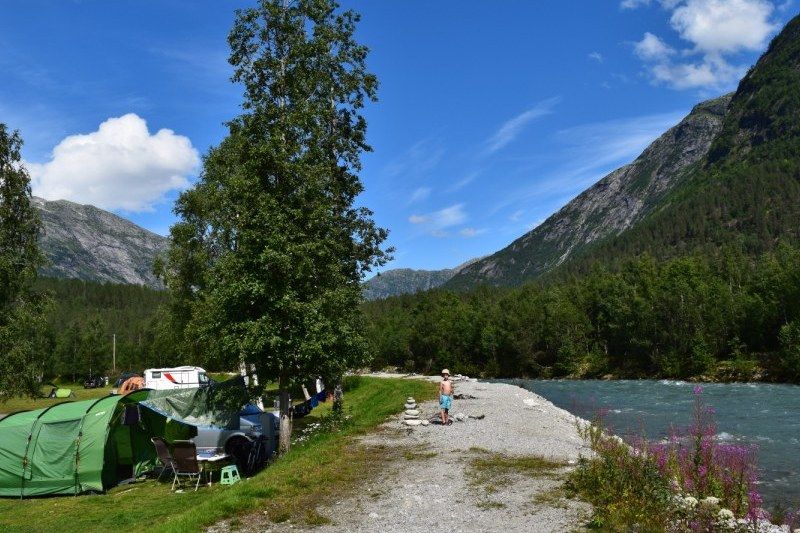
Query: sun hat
445	371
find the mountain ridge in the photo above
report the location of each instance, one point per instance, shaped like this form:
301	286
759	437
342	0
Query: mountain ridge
610	206
86	242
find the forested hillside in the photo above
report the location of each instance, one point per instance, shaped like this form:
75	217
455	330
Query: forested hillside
725	316
82	318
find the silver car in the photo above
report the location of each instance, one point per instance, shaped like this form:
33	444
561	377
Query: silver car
253	423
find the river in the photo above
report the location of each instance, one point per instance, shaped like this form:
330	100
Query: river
765	415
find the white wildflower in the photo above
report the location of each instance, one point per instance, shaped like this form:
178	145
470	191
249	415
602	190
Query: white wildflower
690	502
710	501
724	515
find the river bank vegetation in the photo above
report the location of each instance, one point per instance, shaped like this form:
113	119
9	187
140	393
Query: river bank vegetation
724	316
689	481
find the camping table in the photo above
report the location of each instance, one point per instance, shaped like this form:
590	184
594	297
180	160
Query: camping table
210	461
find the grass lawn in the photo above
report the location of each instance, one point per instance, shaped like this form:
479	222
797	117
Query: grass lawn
313	473
25	404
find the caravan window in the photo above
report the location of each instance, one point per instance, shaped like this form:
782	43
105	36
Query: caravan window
155	375
202	378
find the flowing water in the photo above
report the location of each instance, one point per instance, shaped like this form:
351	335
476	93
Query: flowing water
764	415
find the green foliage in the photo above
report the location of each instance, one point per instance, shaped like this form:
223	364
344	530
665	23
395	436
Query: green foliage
21	343
266	261
74	331
626	490
722	316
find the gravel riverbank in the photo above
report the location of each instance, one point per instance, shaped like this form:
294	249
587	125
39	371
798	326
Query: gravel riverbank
433	480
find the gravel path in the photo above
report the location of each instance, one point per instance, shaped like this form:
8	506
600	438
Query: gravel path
431	483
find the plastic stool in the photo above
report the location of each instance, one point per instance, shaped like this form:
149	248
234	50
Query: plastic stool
229	475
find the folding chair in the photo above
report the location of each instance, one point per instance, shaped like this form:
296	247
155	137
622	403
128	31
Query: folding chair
167	462
184	453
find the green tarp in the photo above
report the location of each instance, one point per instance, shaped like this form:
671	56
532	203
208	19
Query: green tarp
76	447
217	405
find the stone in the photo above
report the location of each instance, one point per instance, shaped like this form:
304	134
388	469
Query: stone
413	422
412	412
410	417
460	417
410	399
410	406
425	423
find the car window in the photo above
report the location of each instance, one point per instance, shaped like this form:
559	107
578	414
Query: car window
203	378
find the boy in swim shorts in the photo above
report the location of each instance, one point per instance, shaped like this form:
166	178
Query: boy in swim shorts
445	396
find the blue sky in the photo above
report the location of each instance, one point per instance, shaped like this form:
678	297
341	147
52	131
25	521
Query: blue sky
491	116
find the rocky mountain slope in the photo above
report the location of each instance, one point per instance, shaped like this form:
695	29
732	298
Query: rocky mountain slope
405	281
408	281
744	196
610	206
84	242
726	177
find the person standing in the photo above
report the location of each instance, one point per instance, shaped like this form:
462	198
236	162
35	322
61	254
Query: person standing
445	396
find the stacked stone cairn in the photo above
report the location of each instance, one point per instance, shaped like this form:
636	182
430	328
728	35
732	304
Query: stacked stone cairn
411	414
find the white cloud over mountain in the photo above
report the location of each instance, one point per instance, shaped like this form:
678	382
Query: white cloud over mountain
715	30
120	166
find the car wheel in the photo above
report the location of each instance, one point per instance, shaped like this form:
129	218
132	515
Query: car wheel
239	449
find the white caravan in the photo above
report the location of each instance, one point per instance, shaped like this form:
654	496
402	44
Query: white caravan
181	377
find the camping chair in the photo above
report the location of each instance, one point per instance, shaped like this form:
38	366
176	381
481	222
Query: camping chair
184	453
167	462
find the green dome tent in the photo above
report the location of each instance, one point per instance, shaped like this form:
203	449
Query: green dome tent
75	447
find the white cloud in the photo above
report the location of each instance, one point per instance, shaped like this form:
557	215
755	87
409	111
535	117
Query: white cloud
596	56
633	4
713	29
472	232
724	26
420	194
463	182
437	221
512	127
119	166
516	215
589	152
651	47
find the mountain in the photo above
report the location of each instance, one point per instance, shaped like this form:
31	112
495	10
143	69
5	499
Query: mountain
609	207
404	281
745	194
408	281
84	242
726	177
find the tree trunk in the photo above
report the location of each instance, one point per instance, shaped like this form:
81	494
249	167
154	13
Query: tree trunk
285	438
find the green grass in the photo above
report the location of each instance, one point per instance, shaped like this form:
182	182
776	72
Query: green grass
20	403
327	466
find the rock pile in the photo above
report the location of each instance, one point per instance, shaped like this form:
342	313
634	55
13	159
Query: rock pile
411	414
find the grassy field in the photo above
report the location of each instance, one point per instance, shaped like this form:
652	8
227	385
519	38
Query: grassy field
24	404
324	467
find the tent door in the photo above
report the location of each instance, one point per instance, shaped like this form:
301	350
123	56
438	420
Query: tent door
54	450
